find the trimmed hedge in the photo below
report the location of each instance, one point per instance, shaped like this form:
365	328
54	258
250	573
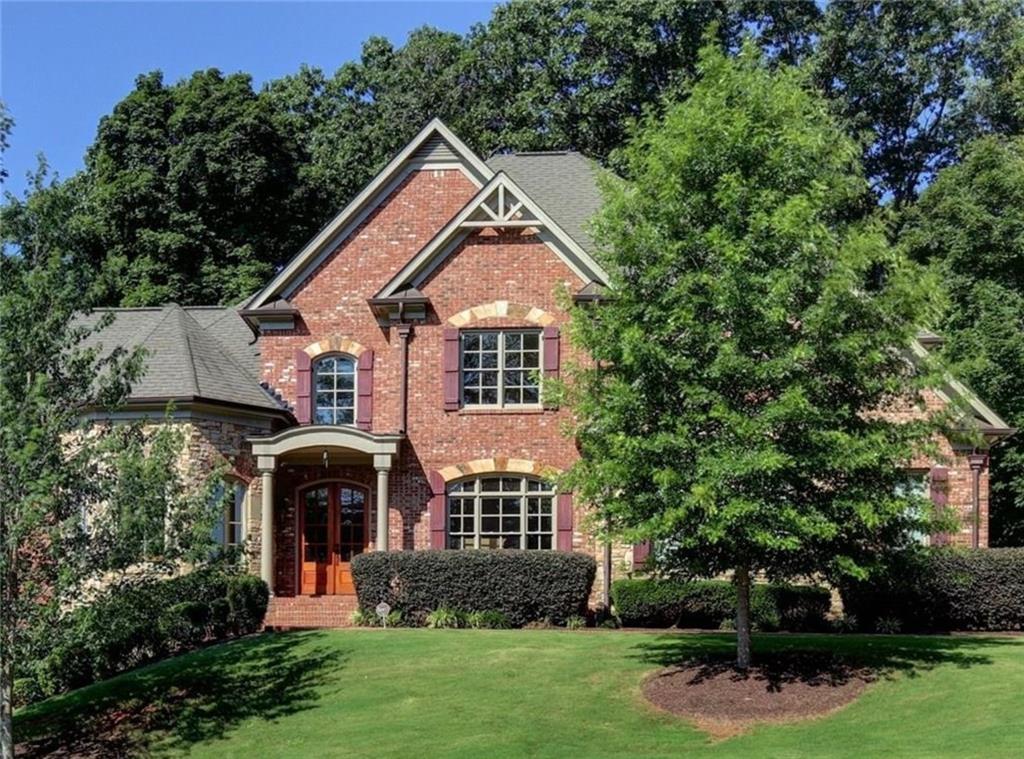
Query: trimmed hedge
525	586
941	589
711	604
136	623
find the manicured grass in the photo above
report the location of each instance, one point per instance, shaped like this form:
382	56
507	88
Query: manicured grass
467	693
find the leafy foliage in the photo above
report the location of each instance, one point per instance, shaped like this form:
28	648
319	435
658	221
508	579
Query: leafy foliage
523	585
488	620
445	618
652	602
942	589
70	487
919	79
732	407
130	624
969	225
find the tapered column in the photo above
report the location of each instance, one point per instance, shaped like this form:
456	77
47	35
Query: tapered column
266	466
382	463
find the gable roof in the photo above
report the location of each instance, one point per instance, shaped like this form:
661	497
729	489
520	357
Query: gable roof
435	145
197	353
501	202
563	183
978	416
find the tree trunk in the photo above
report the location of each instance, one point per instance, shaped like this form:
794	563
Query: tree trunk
6	701
742	581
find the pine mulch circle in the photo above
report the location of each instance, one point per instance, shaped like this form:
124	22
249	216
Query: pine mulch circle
723	701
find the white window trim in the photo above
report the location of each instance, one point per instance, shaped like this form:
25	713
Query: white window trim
239	492
501	405
355	389
523	494
925	477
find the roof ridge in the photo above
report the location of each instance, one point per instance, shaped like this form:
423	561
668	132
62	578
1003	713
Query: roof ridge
187	330
97	309
222	352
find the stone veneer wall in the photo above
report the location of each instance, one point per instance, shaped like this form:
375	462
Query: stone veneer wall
213	443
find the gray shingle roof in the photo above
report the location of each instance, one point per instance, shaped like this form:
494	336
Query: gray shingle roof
564	184
197	352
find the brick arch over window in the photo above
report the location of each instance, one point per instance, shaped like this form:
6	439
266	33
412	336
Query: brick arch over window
334	344
439	480
502	309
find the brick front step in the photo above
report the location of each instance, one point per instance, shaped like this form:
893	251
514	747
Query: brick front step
303	612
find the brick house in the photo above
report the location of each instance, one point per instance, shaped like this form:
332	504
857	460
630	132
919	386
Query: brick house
382	391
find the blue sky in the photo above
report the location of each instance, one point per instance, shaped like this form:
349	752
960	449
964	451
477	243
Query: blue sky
64	65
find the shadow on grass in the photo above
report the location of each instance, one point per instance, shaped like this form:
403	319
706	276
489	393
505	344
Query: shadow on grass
174	704
820	659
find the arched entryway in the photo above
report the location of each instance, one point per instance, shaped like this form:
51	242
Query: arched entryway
333	528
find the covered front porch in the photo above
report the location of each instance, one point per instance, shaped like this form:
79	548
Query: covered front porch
324	498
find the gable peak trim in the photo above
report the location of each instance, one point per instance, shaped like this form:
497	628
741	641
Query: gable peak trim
500	203
337	229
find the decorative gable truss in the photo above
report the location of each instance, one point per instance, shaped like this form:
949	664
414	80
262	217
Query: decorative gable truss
500	204
501	209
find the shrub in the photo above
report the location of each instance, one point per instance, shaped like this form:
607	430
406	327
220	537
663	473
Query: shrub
446	619
940	589
711	604
576	622
362	618
487	620
525	586
134	623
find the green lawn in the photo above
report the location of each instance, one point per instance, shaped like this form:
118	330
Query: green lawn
520	693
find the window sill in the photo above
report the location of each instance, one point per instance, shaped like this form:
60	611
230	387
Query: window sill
484	411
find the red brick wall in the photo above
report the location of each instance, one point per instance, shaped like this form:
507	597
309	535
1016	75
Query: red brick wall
517	267
514	266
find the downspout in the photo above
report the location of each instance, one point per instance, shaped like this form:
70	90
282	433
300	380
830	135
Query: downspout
977	462
404	332
606	569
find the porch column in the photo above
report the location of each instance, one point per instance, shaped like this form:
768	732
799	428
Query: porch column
382	463
266	465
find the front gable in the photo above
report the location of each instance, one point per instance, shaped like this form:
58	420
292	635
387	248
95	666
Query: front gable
434	148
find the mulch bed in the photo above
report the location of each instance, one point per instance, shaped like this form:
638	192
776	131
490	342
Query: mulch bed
724	701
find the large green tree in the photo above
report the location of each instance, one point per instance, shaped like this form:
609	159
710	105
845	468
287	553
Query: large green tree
917	80
969	224
197	191
748	343
76	500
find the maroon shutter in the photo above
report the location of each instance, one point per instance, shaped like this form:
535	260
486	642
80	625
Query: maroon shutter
451	370
303	383
640	553
438	511
364	391
564	522
938	489
551	357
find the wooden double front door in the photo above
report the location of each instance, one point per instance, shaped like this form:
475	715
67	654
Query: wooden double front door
332	529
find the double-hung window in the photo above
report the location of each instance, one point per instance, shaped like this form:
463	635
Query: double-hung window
334	385
915	485
500	368
229	524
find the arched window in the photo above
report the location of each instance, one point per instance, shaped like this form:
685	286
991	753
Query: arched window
501	511
334	385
